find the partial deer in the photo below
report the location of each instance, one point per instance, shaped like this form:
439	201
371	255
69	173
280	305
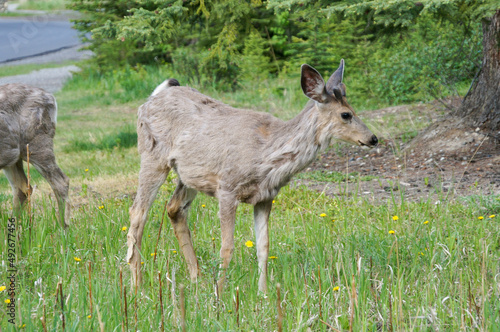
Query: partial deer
235	155
28	116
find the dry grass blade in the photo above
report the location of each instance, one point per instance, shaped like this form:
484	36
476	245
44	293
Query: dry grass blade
280	309
29	191
161	301
60	297
329	326
238	306
43	319
125	309
99	318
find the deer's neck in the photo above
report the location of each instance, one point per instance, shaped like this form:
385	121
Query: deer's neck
295	146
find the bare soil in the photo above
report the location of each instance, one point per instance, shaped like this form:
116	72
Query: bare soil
472	169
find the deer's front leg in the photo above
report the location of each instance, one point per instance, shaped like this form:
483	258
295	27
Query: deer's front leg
227	215
261	217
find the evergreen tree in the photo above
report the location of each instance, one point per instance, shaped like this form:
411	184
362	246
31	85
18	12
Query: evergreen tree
480	109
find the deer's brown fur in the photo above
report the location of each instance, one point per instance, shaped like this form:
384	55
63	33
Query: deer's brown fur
235	155
28	115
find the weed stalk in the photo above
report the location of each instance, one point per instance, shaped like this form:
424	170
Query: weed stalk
59	296
280	309
161	302
238	306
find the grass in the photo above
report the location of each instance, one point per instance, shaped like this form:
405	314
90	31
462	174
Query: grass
25	69
346	262
14	14
43	5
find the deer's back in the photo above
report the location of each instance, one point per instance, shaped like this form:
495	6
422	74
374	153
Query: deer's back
25	113
208	143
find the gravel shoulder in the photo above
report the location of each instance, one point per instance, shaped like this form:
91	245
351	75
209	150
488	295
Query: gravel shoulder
49	79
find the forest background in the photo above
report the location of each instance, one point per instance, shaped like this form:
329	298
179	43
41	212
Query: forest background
391	57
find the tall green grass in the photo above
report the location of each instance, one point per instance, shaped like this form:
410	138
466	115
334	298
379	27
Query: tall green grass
337	261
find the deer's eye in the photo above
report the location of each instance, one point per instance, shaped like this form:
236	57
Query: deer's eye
346	116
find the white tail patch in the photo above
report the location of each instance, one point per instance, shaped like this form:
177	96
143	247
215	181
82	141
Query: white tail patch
166	84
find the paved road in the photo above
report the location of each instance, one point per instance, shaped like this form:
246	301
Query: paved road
21	38
45	38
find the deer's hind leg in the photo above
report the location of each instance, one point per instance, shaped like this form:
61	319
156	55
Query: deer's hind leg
178	208
19	183
151	177
44	161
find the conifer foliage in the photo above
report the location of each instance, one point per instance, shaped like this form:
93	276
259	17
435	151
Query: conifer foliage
389	46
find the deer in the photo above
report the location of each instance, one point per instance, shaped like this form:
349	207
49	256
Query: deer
28	117
234	155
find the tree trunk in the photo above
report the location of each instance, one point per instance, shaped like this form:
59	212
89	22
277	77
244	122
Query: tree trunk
477	121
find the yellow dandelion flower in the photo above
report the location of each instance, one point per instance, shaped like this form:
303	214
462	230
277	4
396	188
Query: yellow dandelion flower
421	253
22	326
124	228
229	311
323	215
480	217
89	316
336	288
274	201
101	207
392	232
77	259
492	216
7	301
272	257
153	254
142	263
2	288
203	205
175	251
426	222
249	244
395	218
333	220
86	169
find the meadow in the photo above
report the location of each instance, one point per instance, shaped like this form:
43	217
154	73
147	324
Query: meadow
342	263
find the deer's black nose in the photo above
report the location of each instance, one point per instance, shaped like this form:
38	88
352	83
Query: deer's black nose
374	140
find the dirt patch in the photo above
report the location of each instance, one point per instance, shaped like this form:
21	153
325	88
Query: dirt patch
414	175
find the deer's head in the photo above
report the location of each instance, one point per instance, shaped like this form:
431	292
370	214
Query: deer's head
336	116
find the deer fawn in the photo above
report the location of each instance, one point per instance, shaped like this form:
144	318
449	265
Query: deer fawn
28	116
232	154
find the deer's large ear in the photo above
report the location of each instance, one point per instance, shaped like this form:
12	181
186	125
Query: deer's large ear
313	85
336	80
